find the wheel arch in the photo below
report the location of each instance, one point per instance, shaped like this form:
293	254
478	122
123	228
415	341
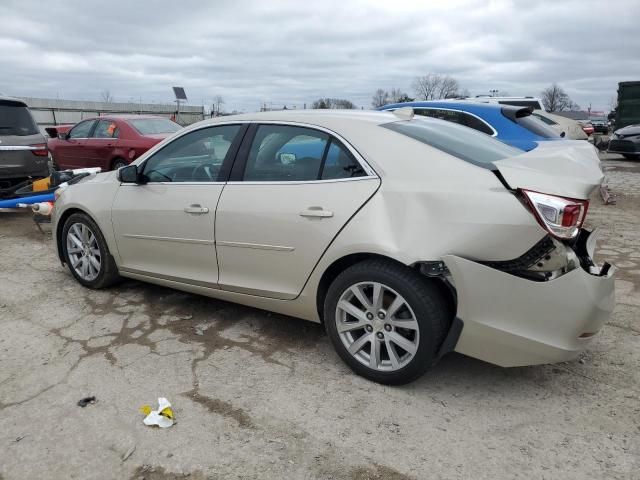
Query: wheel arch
341	264
60	226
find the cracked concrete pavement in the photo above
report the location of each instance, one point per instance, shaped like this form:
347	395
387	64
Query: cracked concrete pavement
258	395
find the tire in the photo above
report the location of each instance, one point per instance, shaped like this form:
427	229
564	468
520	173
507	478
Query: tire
118	163
94	247
422	320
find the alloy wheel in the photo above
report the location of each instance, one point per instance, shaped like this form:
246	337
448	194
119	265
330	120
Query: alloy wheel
377	326
84	252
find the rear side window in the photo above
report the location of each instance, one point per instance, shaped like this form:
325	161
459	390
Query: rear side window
461	118
154	126
15	119
463	143
546	120
537	127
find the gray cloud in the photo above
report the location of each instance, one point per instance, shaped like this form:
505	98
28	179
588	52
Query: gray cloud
292	52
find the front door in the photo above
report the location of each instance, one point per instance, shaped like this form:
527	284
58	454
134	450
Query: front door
165	226
72	152
292	193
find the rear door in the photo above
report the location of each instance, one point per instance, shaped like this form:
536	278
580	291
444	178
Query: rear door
291	191
72	153
165	227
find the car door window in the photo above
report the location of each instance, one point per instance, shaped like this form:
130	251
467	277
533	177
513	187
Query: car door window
284	153
195	157
339	163
82	130
106	129
475	123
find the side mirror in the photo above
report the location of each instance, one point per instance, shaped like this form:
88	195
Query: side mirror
128	174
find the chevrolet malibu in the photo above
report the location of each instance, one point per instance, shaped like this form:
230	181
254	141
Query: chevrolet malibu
408	237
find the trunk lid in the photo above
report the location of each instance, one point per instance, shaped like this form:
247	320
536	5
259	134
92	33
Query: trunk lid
566	168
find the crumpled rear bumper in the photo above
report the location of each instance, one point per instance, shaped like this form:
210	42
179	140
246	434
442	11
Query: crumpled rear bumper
512	321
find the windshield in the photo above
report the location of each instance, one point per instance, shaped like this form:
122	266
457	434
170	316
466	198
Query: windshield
151	126
15	119
461	142
537	127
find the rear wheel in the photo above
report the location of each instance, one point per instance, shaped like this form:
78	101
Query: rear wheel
86	253
118	163
386	321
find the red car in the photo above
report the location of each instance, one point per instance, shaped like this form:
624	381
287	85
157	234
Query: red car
109	142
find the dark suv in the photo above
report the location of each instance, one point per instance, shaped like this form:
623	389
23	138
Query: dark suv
23	148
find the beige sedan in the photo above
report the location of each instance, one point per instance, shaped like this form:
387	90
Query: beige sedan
408	237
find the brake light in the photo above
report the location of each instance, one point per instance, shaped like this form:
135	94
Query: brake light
39	149
561	217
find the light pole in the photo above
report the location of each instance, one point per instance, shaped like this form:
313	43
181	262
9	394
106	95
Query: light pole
493	92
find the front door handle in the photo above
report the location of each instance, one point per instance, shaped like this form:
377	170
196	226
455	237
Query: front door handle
316	212
197	209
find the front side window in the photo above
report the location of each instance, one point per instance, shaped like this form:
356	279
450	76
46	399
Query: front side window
195	157
461	142
82	130
284	153
106	129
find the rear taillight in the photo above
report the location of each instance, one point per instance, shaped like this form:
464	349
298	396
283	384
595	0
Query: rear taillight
39	149
561	217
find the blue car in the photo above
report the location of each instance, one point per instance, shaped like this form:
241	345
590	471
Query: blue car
514	126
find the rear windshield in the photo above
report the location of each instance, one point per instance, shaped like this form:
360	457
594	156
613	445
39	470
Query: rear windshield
462	142
537	127
15	119
151	126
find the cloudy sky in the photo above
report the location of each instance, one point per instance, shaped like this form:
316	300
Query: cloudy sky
292	52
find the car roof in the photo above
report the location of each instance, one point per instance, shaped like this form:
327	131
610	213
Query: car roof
4	98
473	107
323	118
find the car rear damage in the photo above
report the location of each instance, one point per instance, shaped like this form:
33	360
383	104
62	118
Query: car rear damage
548	304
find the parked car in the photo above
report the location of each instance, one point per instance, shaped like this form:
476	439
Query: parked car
565	127
587	127
600	125
23	149
626	141
109	142
407	236
531	102
514	126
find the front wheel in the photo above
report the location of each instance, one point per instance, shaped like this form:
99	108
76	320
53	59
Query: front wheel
86	253
118	163
386	321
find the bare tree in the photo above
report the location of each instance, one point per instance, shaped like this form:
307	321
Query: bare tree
397	96
218	101
555	99
380	98
339	103
106	96
433	86
448	87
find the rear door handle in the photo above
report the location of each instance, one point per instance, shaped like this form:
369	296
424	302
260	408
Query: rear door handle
316	212
197	209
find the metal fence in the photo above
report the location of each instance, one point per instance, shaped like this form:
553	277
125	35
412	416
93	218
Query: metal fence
50	111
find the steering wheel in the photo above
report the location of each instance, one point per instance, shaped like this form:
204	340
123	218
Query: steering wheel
204	172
